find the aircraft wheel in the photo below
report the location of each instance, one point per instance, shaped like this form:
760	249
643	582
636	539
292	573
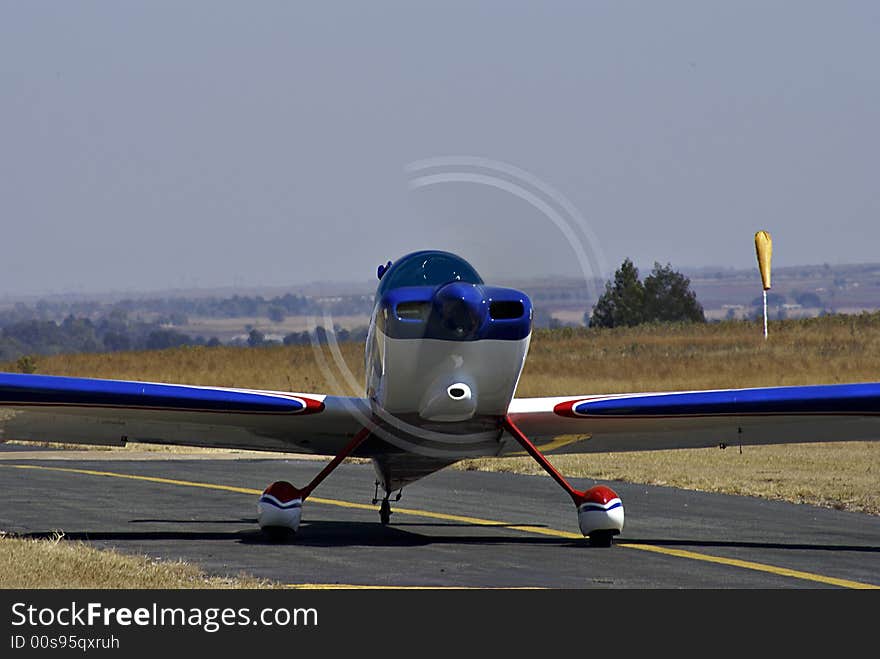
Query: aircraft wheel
278	533
385	512
601	538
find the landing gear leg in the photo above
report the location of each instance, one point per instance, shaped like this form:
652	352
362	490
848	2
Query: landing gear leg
279	508
600	511
385	509
385	512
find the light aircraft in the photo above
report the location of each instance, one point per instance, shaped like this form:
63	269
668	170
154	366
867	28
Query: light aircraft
443	358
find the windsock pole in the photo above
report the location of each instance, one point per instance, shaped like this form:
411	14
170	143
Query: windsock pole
765	314
764	249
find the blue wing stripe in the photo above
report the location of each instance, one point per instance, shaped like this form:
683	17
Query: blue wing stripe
21	389
816	399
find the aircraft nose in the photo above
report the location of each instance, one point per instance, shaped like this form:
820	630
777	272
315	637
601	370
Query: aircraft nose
460	308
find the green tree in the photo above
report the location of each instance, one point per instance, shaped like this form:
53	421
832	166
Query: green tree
669	298
622	303
26	364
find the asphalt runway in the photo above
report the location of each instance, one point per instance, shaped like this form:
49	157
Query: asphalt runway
452	529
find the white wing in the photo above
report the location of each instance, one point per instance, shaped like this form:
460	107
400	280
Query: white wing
694	419
112	412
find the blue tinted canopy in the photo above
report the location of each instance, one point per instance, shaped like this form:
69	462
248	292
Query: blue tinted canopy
427	268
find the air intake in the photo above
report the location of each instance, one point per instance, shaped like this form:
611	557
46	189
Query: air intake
506	310
413	311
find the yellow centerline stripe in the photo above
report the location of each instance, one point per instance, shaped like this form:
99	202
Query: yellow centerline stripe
151	479
679	553
749	565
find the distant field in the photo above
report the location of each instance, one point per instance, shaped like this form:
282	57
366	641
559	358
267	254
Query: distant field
227	329
572	361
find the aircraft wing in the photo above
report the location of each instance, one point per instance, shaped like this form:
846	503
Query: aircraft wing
113	412
696	419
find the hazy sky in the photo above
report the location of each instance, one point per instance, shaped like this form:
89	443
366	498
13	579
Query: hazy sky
150	145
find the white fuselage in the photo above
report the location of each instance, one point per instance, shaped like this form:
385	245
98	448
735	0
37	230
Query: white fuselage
443	358
414	376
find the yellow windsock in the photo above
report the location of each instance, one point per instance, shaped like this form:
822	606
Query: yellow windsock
764	248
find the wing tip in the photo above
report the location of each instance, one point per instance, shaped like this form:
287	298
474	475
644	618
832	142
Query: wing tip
566	408
312	406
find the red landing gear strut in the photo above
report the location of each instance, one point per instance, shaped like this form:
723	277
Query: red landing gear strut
600	511
279	509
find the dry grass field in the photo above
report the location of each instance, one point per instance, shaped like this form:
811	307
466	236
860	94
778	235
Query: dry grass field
826	350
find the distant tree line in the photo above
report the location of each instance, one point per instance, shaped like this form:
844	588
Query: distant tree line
321	335
109	334
176	311
55	327
22	340
805	299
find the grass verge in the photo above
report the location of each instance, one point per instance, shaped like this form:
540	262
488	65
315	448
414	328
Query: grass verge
59	563
842	475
